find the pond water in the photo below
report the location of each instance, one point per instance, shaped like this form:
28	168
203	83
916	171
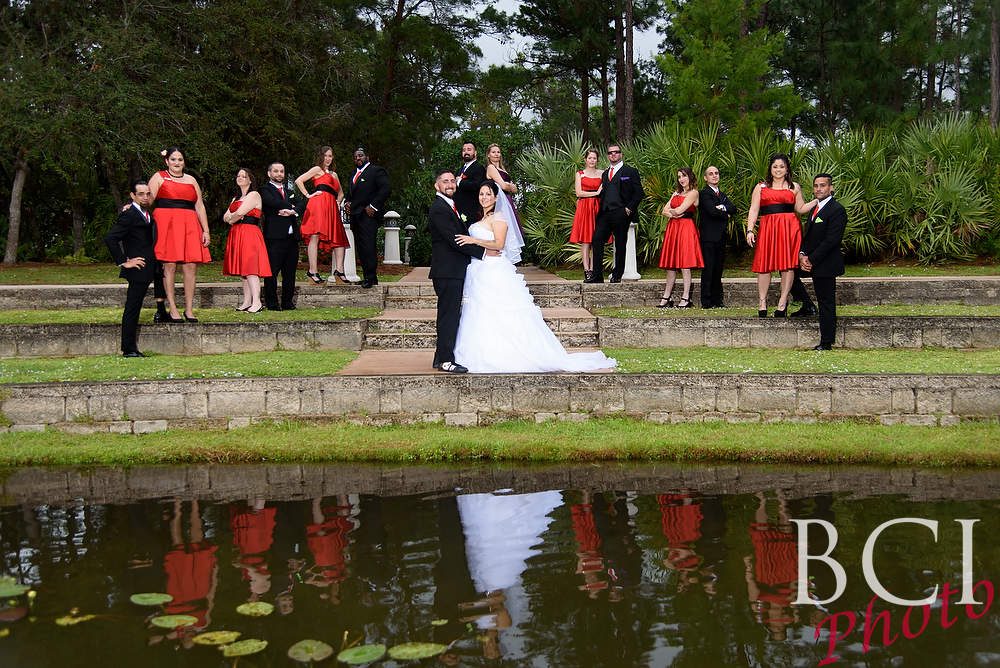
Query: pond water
589	566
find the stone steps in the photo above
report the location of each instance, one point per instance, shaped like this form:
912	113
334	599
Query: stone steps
739	292
470	399
575	328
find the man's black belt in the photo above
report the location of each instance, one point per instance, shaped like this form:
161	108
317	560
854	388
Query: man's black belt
174	204
327	189
776	208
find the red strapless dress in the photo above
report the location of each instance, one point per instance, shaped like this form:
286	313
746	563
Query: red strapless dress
681	249
246	254
586	212
779	235
322	214
178	232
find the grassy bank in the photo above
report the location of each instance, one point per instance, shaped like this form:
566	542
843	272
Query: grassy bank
113	315
619	439
291	363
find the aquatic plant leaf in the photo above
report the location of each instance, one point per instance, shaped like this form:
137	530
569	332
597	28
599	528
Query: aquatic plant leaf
216	638
73	620
362	654
4	632
309	650
173	621
257	609
411	651
10	587
151	598
243	647
439	622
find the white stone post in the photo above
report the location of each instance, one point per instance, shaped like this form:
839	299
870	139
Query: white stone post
407	238
631	265
350	264
391	254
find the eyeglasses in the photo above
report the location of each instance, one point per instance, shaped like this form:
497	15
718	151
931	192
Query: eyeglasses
613	152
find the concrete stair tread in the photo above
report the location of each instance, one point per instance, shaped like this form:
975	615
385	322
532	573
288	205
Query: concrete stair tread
413	361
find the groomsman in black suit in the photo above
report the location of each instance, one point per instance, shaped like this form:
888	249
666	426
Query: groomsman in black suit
821	258
449	262
621	192
131	240
714	211
368	191
470	177
281	236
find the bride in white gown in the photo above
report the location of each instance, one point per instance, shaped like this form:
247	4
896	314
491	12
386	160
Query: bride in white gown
501	330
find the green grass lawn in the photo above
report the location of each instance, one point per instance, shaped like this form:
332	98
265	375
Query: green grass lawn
867	310
969	444
283	363
113	315
288	363
54	273
742	270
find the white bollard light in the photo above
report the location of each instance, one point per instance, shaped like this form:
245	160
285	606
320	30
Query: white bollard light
391	253
631	265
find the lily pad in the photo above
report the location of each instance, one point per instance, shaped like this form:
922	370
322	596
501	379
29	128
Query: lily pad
362	654
309	650
439	622
151	599
173	621
216	638
258	609
10	587
73	620
412	651
243	648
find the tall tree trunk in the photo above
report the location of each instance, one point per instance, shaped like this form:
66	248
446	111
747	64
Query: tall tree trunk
625	130
620	66
76	208
957	11
14	218
995	66
584	77
392	60
605	106
929	94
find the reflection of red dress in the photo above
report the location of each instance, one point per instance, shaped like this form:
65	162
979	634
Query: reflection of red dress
246	254
322	214
779	235
775	556
189	579
585	528
327	541
253	531
586	211
178	232
681	521
681	249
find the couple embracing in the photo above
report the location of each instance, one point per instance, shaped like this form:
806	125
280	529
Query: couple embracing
487	321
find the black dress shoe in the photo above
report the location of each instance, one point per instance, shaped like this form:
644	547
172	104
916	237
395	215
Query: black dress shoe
823	346
594	279
762	313
804	312
368	284
133	353
159	317
719	305
615	279
452	367
780	312
275	307
290	307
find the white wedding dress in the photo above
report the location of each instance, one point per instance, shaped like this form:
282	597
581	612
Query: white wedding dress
502	331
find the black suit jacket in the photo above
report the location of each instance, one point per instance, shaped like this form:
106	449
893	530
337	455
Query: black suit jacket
467	194
448	259
372	188
131	236
822	237
275	226
628	186
712	222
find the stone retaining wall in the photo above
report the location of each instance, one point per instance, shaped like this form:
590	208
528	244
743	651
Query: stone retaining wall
182	339
144	406
281	482
852	332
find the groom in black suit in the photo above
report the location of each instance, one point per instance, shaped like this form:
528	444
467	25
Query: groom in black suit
469	178
621	192
821	258
367	193
131	240
449	262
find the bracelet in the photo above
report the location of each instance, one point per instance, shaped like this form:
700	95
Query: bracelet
749	231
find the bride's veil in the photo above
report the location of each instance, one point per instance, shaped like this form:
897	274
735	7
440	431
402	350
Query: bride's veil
514	241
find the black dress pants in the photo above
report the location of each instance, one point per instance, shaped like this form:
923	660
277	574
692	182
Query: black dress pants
130	316
449	310
613	222
283	254
365	229
826	296
714	253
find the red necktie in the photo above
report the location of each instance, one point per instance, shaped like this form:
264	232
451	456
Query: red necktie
356	175
146	213
455	209
814	214
611	173
281	191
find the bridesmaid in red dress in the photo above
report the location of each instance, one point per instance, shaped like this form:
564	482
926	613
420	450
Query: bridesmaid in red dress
321	223
776	247
588	187
246	254
181	229
681	248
